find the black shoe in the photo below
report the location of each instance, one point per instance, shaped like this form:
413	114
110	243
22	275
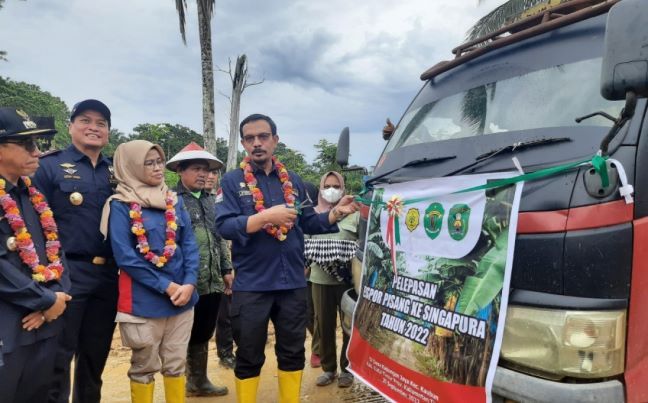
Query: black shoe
227	361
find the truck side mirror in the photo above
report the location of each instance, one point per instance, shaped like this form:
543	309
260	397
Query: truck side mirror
625	59
342	154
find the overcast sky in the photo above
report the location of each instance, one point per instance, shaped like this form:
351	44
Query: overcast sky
326	64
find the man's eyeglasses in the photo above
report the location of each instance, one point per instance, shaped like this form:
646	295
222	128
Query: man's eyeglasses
152	164
263	137
31	144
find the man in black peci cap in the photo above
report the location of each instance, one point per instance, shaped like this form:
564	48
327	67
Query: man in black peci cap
33	280
77	182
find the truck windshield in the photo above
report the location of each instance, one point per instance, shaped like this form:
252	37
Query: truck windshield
552	97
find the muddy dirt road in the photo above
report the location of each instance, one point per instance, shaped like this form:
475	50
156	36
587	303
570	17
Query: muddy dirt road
116	386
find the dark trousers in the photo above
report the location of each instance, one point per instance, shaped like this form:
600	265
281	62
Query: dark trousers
224	339
205	314
89	323
327	302
27	371
310	325
250	313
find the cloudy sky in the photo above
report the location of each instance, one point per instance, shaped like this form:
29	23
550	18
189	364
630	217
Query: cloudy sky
326	64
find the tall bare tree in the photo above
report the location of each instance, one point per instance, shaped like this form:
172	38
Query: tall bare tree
205	13
239	84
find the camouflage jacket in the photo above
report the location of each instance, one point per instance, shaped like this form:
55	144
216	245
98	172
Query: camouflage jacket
215	259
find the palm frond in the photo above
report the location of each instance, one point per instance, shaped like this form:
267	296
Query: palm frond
500	16
181	6
474	105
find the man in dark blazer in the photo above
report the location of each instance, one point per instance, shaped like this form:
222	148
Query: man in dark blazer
33	281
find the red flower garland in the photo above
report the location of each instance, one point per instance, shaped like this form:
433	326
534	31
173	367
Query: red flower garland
137	228
276	231
26	249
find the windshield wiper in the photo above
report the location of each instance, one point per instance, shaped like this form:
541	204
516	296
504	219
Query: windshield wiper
417	162
509	149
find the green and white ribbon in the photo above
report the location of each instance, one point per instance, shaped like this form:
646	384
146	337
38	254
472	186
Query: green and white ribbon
598	162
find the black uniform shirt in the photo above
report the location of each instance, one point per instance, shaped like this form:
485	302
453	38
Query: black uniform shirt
63	173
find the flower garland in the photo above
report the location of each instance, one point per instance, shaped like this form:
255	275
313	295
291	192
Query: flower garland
277	231
26	249
143	246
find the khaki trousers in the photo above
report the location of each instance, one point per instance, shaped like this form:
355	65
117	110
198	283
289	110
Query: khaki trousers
157	344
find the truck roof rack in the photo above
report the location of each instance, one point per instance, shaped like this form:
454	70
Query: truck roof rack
552	18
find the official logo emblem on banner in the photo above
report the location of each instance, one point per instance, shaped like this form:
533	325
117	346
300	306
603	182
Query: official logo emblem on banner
433	220
458	221
412	219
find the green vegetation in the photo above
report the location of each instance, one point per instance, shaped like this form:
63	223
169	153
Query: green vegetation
36	102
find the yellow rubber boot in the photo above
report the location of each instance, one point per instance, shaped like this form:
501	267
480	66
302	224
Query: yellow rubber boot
174	389
246	389
289	386
142	392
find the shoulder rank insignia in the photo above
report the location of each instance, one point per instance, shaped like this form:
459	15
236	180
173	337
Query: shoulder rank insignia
112	179
48	153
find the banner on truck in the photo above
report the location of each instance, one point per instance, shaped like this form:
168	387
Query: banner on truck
430	315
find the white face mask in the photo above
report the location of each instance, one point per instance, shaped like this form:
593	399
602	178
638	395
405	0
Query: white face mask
332	195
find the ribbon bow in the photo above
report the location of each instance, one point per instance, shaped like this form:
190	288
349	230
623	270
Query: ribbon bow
394	209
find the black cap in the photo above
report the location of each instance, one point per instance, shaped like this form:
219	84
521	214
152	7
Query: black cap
14	123
90	105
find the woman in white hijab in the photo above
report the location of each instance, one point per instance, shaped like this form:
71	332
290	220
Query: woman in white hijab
330	256
155	250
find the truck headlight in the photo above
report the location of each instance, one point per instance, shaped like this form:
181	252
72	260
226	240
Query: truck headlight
559	343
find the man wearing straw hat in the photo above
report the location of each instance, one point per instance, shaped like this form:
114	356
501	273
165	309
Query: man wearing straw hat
193	164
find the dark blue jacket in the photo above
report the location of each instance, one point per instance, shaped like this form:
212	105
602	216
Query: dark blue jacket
62	173
261	262
19	294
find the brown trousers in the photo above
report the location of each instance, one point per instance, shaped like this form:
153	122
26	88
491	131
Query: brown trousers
158	345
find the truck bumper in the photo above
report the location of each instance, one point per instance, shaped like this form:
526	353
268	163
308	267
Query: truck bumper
520	387
525	388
